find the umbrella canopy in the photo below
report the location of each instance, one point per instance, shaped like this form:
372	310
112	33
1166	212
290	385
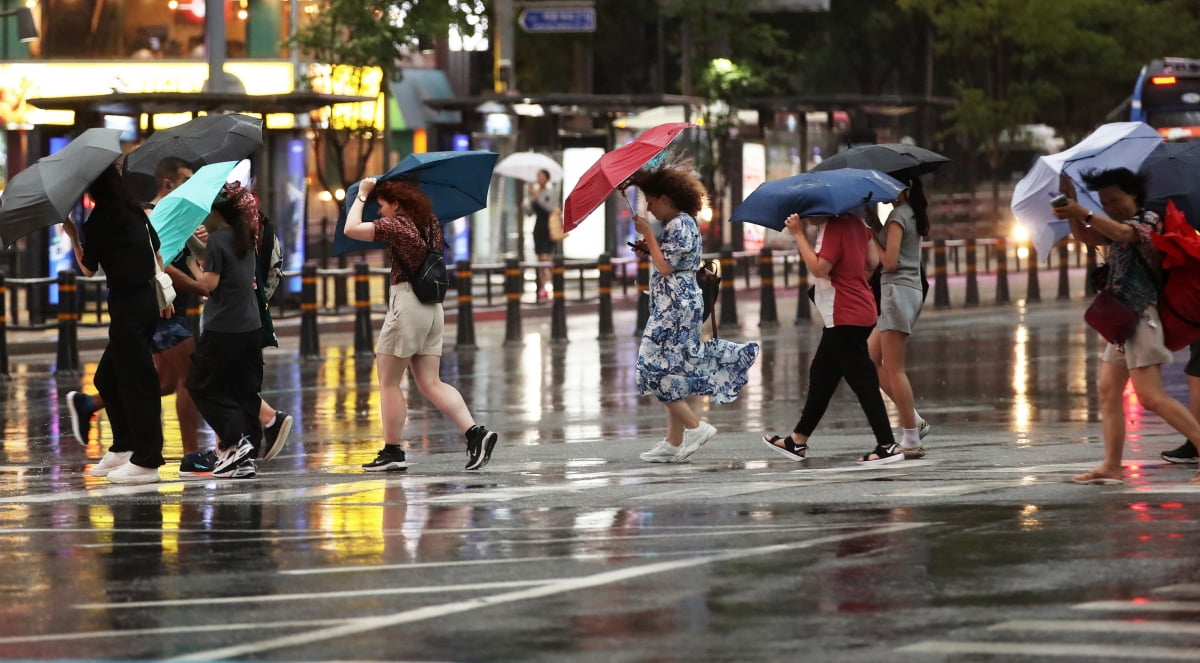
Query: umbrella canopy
455	182
821	193
1173	174
44	193
204	140
1113	145
613	168
896	159
180	212
1178	305
526	166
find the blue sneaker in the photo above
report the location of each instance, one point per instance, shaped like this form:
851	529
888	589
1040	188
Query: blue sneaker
82	409
198	464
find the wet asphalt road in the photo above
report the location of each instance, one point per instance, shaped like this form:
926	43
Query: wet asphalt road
566	547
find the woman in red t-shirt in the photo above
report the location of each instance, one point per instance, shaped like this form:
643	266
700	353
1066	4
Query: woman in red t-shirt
844	254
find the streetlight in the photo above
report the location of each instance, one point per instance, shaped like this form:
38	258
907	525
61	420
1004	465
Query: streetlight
26	29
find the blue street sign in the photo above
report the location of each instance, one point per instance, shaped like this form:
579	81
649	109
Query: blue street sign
572	19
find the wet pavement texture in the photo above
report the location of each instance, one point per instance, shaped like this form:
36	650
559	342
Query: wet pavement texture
567	547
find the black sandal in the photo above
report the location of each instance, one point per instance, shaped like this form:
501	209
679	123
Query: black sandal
789	448
883	455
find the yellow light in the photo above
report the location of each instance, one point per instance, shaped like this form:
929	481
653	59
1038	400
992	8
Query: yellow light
706	214
1019	234
1022	252
173	5
340	194
324	197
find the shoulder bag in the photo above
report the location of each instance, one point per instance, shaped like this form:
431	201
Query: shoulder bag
164	289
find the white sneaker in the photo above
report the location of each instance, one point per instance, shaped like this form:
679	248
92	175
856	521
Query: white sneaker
111	461
923	429
130	473
663	452
693	439
228	458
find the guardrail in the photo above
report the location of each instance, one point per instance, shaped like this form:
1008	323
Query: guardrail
478	288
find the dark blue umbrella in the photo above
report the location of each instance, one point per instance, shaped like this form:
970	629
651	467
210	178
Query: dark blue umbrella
819	193
1173	173
456	183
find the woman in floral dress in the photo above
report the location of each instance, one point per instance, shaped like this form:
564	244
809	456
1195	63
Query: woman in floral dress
672	363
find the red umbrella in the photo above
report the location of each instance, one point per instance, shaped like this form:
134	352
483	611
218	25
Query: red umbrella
613	168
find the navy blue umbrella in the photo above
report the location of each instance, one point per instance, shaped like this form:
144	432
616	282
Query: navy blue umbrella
455	182
1173	173
819	193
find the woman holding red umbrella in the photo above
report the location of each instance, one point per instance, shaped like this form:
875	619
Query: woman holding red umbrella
672	363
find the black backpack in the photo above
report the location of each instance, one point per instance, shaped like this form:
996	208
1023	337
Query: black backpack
430	282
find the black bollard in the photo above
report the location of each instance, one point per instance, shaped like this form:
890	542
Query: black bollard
729	316
310	346
466	307
768	313
1001	271
643	286
803	312
363	344
514	285
1088	286
558	313
941	287
972	278
605	268
1033	292
3	327
1064	275
67	361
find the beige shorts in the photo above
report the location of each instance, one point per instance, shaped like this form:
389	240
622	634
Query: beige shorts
1145	348
412	327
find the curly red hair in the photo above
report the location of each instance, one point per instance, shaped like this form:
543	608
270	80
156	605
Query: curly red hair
407	196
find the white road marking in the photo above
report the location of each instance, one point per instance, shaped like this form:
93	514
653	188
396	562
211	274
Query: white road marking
1133	652
1141	606
168	630
1128	627
367	624
955	488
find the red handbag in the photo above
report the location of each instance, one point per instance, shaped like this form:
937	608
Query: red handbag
1112	317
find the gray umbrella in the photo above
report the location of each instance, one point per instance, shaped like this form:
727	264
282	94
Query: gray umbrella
44	193
199	142
896	159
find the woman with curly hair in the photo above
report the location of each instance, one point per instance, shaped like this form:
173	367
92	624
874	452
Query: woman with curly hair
672	363
227	367
412	332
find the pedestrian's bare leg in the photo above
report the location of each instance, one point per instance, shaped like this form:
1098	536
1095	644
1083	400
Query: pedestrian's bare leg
1147	382
393	409
1112	417
427	373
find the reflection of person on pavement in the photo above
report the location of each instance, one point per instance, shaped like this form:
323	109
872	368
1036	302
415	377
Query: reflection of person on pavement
412	332
134	564
1186	452
541	202
118	238
1134	268
672	363
843	254
899	307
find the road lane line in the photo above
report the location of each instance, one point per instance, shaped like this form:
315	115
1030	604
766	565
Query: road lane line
367	624
168	630
1082	651
1099	626
1141	605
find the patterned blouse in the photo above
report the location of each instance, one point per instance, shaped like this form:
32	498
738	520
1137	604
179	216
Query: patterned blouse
1135	268
407	245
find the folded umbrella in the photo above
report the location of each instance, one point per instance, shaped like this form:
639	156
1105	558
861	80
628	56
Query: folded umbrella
1173	174
613	168
180	212
1113	145
44	193
818	193
526	166
896	159
455	182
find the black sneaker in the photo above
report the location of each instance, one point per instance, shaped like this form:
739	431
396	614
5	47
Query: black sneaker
389	459
81	407
230	457
480	442
275	436
1184	454
198	464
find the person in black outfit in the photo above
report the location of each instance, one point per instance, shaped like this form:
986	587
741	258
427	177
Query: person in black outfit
118	237
541	201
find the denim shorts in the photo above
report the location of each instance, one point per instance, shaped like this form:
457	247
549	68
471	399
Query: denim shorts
170	332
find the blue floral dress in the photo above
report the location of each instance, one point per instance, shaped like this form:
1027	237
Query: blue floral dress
672	363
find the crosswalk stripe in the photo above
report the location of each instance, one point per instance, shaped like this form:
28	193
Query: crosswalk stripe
1133	652
1142	605
1123	626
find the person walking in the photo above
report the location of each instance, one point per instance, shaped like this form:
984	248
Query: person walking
227	367
844	253
672	363
1134	270
900	300
119	239
541	201
1186	453
411	337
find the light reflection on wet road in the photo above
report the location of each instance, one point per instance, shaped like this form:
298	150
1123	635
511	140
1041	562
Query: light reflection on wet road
568	548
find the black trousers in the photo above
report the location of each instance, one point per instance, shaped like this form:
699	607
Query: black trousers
224	381
842	353
127	380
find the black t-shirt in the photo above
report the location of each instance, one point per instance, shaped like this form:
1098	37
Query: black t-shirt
119	239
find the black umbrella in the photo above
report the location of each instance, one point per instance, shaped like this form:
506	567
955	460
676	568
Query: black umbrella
1173	173
896	159
44	193
199	142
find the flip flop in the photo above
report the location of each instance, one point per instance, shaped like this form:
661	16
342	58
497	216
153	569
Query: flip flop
1094	479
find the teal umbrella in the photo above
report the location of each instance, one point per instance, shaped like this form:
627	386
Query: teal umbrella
180	212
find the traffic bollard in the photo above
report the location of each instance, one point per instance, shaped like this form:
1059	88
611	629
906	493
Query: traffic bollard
941	287
604	265
1033	291
972	276
3	327
768	316
558	313
1088	286
514	285
310	346
643	286
1001	271
466	307
67	360
363	344
803	312
1064	275
729	316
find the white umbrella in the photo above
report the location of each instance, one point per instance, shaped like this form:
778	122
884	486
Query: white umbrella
1113	145
527	165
